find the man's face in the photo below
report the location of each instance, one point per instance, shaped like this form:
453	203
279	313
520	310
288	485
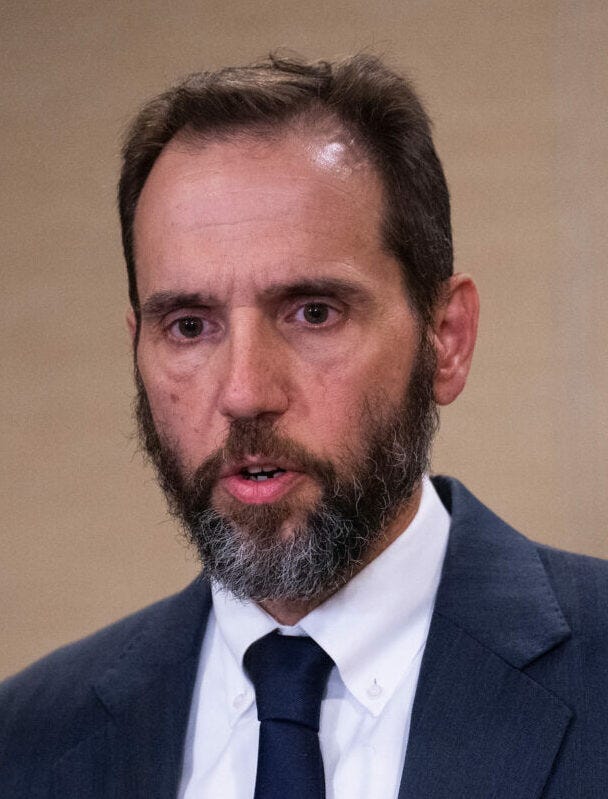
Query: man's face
276	333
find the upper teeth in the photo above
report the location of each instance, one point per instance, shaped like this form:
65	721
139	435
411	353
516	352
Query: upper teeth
258	469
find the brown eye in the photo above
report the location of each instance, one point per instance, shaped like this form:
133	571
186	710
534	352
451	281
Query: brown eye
315	313
190	326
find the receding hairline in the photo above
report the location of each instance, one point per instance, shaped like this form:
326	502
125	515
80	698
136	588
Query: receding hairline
315	121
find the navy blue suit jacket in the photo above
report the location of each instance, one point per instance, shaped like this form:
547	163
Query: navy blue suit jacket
512	701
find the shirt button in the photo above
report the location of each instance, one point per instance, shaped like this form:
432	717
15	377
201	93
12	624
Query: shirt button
239	701
374	690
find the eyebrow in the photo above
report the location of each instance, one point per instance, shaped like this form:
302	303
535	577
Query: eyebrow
163	302
322	286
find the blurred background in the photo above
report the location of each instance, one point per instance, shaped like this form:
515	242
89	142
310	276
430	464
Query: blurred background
519	95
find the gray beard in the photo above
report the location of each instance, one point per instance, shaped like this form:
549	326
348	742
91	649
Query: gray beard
243	550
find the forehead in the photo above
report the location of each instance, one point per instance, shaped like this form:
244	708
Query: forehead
247	203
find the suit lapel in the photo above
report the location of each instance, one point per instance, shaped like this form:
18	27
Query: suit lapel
480	726
136	744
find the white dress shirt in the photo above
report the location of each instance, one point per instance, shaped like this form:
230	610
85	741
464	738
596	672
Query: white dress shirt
374	629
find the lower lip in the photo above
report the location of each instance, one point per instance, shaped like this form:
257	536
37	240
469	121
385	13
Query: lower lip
256	492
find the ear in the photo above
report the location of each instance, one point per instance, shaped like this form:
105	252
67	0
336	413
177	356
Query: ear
454	335
131	323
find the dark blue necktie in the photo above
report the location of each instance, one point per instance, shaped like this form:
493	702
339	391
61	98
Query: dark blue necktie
289	674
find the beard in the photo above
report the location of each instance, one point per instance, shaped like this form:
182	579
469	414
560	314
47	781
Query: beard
245	548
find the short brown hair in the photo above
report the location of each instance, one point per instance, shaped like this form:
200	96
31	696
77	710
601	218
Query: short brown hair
377	107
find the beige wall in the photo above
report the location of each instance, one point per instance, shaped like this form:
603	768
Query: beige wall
518	91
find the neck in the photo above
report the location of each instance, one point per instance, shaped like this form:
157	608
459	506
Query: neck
290	611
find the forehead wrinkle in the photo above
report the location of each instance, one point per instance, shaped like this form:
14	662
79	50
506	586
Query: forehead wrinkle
308	136
325	142
267	198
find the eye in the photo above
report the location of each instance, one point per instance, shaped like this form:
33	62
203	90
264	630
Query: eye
315	313
187	327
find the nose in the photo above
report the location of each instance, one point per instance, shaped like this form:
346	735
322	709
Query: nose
255	371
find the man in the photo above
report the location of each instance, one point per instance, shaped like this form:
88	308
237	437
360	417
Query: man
295	323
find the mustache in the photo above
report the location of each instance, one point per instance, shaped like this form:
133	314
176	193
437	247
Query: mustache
259	438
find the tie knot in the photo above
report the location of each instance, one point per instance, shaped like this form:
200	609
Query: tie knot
289	674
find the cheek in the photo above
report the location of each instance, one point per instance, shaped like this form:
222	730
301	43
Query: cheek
183	424
331	416
340	399
175	417
382	371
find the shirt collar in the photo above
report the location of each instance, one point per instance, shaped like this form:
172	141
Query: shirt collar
372	628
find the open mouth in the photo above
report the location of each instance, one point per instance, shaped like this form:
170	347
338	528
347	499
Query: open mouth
260	482
260	473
